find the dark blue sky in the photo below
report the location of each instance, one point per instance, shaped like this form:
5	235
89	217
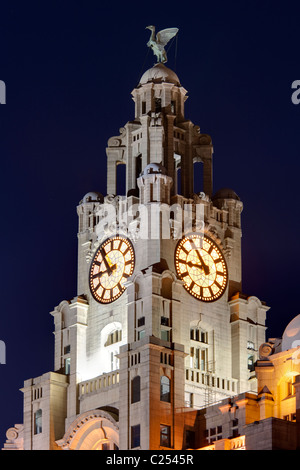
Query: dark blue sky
69	69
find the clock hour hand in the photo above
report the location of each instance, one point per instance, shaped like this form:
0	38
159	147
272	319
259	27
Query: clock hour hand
108	271
194	265
108	268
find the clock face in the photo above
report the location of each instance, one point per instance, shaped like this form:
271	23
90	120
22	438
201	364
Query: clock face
201	266
113	263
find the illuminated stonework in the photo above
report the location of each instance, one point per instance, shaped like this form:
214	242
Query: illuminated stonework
157	350
202	267
94	430
112	265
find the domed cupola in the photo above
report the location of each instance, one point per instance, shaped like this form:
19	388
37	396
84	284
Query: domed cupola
159	73
159	91
154	184
291	335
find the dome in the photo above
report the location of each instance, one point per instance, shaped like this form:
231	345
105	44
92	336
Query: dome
291	335
159	73
92	197
154	168
226	193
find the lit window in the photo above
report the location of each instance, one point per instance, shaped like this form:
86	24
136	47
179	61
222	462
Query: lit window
165	335
165	434
251	363
198	358
165	389
114	337
141	334
67	365
38	422
290	388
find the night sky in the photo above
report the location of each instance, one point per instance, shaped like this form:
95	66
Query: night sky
69	69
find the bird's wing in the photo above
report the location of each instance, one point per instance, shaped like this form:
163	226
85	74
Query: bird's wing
164	36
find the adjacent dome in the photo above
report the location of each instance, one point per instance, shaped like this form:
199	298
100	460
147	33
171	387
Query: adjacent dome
92	196
159	73
154	168
226	193
291	335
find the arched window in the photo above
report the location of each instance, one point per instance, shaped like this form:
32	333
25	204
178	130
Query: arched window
165	388
113	337
136	389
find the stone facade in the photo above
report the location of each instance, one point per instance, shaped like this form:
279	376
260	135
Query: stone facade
144	371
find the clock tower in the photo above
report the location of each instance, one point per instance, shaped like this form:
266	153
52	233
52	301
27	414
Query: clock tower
160	325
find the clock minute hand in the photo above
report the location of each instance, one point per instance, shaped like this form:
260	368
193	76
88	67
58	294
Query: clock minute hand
204	266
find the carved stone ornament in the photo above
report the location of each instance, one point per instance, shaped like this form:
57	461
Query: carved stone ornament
265	350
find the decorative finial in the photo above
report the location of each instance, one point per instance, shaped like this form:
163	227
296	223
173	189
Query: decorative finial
162	38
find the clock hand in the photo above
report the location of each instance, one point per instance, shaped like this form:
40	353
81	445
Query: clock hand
113	268
193	265
108	268
204	266
108	271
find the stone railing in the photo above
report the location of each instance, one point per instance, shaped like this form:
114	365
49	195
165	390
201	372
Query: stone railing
211	380
97	384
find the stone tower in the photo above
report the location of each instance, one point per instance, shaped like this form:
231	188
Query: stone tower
160	323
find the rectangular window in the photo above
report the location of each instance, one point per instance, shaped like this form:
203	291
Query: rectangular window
157	105
67	365
38	422
165	389
165	335
141	334
164	321
143	107
203	359
135	436
136	389
251	366
111	361
165	435
141	321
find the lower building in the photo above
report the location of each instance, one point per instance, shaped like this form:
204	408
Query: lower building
267	420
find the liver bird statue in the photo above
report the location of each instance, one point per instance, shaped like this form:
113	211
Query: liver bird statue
158	44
